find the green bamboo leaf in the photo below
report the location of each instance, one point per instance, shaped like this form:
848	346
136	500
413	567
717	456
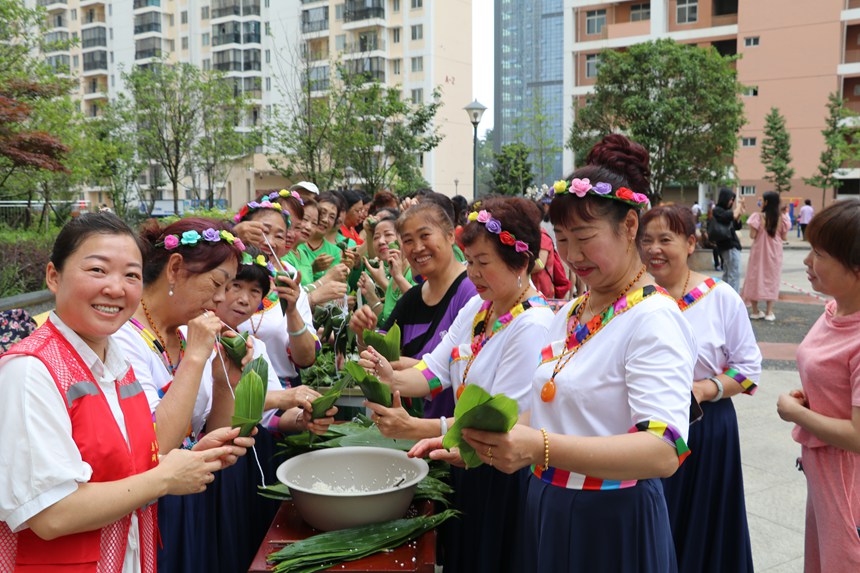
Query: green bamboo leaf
235	347
476	409
322	404
248	407
374	390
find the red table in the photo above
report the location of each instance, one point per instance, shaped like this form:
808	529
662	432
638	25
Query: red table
418	556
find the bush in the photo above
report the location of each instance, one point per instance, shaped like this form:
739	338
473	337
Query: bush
25	255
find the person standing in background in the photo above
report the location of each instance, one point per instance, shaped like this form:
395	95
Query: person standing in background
805	216
768	229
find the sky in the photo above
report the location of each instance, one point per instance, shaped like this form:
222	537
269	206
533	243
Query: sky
482	59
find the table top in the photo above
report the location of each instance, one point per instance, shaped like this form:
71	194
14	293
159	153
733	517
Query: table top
418	556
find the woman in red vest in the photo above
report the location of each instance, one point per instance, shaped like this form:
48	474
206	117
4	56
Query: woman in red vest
80	468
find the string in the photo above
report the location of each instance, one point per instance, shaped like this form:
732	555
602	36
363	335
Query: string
274	256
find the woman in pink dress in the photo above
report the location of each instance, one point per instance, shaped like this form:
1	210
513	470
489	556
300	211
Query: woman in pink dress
768	230
827	410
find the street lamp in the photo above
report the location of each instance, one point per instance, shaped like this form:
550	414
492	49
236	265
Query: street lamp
476	111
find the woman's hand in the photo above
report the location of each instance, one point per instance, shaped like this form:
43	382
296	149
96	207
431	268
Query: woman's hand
395	262
363	318
368	290
337	273
377	274
226	438
376	364
789	405
288	289
234	371
200	337
322	262
331	290
394	422
510	451
432	448
319	425
187	471
251	232
299	396
349	257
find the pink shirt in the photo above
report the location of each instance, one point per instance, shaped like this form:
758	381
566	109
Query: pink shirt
828	360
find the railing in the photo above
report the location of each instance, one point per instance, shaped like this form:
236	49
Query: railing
251	39
231	66
363	47
145	3
315	26
144	28
231	10
43	3
231	38
724	20
92	42
354	15
150	53
852	56
96	64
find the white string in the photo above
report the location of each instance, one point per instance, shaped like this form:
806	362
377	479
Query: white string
254	447
271	250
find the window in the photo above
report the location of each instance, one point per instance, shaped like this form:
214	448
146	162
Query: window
418	64
418	32
204	39
748	142
751	41
74	15
687	11
417	4
204	13
751	91
207	64
747	190
185	42
417	95
640	12
75	62
169	19
268	28
395	6
595	20
397	63
183	17
266	3
857	90
340	42
268	84
338	12
592	61
268	56
395	36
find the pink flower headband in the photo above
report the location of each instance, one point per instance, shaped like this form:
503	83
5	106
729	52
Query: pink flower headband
583	187
284	193
193	238
264	204
495	226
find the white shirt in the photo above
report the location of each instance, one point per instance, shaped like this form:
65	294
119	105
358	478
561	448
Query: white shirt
507	361
805	215
40	464
638	367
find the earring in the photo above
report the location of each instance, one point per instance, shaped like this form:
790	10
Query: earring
519	281
170	292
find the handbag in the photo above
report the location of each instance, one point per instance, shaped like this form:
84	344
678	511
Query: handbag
719	233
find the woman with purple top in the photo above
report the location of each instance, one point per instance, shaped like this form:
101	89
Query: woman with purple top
426	311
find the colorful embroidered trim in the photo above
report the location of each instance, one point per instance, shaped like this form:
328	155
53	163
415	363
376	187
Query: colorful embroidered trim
697	294
583	187
283	193
748	385
265	204
666	433
495	226
192	238
578	333
570	480
479	337
432	380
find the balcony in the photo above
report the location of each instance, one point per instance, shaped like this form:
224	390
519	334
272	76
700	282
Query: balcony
314	26
358	14
228	66
724	20
94	37
148	53
227	38
147	28
364	46
146	3
629	29
225	9
51	5
95	61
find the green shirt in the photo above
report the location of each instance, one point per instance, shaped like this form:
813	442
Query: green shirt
392	295
326	248
302	263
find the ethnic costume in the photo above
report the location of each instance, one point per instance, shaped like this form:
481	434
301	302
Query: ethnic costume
705	497
74	420
629	369
500	359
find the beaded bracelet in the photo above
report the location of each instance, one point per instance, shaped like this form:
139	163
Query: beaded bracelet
545	450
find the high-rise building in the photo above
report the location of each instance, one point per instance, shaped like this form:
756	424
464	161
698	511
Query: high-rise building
793	54
415	46
529	78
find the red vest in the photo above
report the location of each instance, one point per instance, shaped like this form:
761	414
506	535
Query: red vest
103	447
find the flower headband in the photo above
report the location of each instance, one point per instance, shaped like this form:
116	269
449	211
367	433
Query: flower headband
583	187
495	226
264	204
193	238
258	260
284	193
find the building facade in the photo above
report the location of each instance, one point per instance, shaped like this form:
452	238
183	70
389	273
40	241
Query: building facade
793	53
412	44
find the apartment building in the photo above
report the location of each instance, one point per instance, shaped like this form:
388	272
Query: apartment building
793	54
411	45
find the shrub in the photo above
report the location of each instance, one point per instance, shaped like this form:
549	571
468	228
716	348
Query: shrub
25	255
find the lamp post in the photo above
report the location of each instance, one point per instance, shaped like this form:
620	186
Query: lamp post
476	111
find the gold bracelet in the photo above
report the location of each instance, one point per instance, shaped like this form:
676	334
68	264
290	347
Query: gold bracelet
545	450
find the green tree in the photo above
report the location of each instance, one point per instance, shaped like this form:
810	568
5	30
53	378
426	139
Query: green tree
513	172
679	101
486	163
534	128
776	152
838	148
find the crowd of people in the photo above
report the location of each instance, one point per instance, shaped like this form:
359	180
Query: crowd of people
626	454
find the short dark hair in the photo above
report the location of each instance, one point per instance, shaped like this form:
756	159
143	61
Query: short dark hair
382	200
200	258
254	272
442	200
431	211
336	200
679	219
836	231
79	229
807	202
517	218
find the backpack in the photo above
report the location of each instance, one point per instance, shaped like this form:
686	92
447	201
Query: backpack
719	233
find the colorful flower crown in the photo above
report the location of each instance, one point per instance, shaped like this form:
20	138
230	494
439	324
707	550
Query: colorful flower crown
283	193
258	260
264	204
583	187
192	238
495	226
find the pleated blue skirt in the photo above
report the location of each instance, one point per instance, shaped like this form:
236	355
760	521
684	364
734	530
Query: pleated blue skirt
705	497
617	531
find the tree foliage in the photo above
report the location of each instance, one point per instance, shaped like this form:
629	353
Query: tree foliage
679	101
776	152
838	147
535	129
513	172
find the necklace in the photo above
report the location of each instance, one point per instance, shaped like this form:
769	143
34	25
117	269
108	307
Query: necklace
479	330
161	342
686	283
573	344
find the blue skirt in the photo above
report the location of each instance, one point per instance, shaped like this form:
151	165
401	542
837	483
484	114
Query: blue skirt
705	497
622	530
485	538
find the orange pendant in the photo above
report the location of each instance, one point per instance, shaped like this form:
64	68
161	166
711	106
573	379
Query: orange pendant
460	390
547	393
